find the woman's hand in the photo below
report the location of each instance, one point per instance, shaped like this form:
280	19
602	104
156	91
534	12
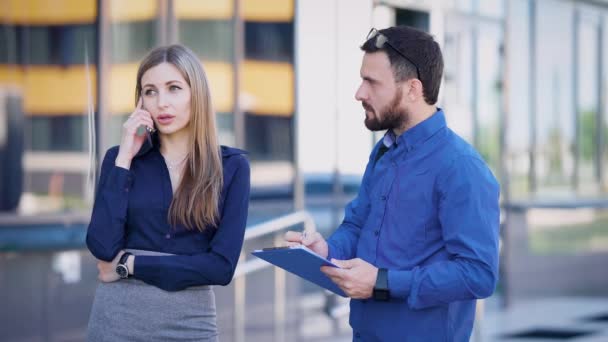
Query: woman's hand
131	142
107	270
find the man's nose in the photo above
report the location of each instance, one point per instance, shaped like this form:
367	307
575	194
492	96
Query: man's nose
360	94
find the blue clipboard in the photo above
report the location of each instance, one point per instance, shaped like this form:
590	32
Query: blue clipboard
302	262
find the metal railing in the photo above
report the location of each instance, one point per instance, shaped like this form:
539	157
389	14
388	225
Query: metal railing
248	266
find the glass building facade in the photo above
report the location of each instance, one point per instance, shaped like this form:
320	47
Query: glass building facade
72	66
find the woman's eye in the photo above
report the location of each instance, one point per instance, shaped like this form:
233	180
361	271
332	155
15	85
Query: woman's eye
149	92
174	88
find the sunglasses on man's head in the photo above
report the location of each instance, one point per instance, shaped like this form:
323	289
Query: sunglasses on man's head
381	39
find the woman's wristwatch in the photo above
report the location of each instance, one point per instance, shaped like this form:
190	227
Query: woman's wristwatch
121	268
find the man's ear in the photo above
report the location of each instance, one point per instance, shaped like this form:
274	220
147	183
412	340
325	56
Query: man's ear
415	89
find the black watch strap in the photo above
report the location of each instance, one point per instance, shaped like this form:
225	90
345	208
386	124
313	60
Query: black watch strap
123	258
381	290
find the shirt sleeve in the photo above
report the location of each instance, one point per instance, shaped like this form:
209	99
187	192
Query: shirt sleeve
342	243
469	217
106	231
216	266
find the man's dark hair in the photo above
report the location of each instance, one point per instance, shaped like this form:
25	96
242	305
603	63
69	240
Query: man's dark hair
421	49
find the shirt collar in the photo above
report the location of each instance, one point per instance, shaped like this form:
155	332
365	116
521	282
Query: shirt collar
422	131
389	138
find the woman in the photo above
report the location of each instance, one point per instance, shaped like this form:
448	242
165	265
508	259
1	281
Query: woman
170	212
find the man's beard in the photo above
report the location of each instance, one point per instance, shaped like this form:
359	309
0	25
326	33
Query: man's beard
390	117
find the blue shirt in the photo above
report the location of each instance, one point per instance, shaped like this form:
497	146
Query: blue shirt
131	208
428	212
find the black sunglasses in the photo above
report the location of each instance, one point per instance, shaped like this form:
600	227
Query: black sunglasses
382	39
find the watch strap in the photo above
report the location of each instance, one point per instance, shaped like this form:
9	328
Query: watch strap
123	258
381	289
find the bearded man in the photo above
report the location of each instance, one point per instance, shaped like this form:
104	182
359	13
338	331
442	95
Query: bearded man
419	244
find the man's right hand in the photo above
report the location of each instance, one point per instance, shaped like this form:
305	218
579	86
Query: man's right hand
309	238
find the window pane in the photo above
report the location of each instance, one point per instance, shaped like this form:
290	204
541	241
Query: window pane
518	118
269	137
458	84
489	92
587	106
212	40
604	121
132	40
56	133
555	120
269	41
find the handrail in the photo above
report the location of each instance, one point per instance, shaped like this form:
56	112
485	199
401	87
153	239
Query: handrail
246	267
270	227
279	223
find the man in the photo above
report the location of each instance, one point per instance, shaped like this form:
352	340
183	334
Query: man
419	243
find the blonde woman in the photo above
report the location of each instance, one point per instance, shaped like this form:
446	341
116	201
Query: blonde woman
170	211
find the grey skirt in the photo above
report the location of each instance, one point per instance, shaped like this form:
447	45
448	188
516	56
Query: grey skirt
131	310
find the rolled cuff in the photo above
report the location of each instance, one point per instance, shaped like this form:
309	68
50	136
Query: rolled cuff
400	283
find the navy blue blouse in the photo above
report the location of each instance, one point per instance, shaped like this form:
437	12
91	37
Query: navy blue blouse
131	210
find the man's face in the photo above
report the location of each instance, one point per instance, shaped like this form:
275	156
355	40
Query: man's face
380	96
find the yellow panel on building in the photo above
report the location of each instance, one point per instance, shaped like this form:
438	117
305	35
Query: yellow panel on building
204	9
268	10
44	12
121	88
50	90
133	10
221	80
11	76
268	88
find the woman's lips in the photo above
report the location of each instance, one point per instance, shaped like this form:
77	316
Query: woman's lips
165	119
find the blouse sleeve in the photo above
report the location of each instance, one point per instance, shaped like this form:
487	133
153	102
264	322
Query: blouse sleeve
106	232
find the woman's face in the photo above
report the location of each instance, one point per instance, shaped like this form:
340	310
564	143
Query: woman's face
166	96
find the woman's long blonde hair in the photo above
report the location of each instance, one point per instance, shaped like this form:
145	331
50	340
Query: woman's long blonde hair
195	203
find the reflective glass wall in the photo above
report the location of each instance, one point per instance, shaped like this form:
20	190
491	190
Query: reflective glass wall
556	123
67	82
48	81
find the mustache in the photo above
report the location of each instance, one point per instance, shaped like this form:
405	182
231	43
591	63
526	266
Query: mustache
367	107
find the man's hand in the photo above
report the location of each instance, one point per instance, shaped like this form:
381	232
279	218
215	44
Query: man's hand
355	277
107	270
309	238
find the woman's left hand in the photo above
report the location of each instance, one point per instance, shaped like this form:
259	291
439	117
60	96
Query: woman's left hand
107	270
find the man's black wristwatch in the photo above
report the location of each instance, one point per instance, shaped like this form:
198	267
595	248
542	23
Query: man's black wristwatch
381	291
121	268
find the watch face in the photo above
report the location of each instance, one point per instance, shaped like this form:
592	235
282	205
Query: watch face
122	271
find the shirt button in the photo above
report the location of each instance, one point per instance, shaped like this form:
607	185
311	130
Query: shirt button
383	198
377	232
357	335
168	236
